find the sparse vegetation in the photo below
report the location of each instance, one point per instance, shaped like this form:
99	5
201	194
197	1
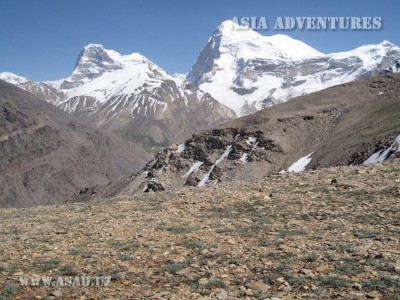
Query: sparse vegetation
8	291
382	284
47	265
181	229
309	245
67	270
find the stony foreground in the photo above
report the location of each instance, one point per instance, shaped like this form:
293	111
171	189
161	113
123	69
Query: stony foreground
323	234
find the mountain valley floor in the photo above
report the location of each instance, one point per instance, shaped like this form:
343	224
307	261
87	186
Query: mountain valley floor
321	234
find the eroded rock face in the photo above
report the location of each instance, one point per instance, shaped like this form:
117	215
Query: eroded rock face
323	129
92	62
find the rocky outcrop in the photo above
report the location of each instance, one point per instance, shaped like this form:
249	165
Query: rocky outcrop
341	125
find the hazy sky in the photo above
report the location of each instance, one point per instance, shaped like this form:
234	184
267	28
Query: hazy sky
40	39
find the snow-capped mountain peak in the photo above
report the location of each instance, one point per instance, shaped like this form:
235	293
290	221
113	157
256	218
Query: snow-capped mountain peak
119	89
225	57
387	44
247	71
123	81
94	60
94	53
97	54
12	78
292	48
246	43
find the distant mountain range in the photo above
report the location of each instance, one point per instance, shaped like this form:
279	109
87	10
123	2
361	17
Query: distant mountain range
238	72
131	96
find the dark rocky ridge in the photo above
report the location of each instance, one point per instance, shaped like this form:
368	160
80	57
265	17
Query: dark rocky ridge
46	154
341	125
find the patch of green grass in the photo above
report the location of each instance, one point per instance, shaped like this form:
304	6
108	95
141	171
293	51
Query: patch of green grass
194	245
330	257
182	229
250	231
393	297
325	190
220	212
381	264
371	219
8	291
334	282
334	226
47	265
310	258
225	230
348	248
214	283
258	227
350	267
257	201
234	261
292	232
67	270
75	251
282	270
320	189
177	266
130	246
141	280
87	255
118	274
279	256
125	257
9	270
382	284
258	294
298	282
367	234
13	231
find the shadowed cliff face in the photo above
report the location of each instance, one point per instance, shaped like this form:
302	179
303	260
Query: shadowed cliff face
46	154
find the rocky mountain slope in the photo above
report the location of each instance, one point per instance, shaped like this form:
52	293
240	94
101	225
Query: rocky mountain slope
247	71
323	234
341	125
130	96
46	154
42	90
